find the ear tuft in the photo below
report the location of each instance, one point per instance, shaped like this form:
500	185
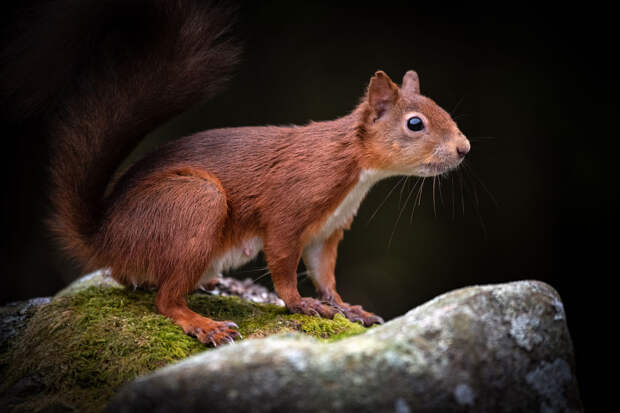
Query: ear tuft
411	82
382	93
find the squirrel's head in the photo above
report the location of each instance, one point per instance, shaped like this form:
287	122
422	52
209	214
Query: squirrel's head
408	133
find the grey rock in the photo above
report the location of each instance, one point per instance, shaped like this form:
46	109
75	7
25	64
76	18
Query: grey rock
99	278
14	317
486	349
247	289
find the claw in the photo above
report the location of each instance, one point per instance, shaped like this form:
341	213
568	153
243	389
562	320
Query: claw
375	319
231	324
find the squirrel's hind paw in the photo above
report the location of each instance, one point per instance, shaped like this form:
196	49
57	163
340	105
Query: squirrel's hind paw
214	333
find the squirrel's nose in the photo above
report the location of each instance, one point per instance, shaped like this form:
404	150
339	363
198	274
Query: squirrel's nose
462	149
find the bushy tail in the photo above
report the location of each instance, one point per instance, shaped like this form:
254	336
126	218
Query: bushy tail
115	69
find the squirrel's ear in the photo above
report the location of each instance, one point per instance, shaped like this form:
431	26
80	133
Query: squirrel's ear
411	82
382	93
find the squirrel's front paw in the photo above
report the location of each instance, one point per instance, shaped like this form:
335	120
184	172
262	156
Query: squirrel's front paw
312	306
357	314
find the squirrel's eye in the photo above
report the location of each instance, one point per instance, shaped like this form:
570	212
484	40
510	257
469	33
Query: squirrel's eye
415	124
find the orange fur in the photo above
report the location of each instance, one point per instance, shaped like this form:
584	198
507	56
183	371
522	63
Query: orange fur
200	199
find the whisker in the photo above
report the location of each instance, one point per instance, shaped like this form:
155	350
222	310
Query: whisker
399	215
461	116
262	275
475	176
402	189
440	193
417	200
453	196
421	187
482	138
477	210
462	191
473	187
434	209
385	199
252	270
456	106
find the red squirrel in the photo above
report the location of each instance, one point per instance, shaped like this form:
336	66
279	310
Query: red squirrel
210	202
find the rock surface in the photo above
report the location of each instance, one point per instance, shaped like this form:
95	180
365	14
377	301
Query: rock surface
14	317
73	351
485	349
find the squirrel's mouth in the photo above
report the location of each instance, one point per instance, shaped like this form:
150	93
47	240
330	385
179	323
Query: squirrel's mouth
436	168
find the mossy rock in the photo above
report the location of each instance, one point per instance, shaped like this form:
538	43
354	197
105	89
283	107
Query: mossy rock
498	348
78	349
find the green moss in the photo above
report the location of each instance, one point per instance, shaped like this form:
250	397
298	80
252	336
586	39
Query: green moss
79	349
331	330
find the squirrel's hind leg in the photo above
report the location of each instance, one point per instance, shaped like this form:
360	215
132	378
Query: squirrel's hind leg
171	302
199	227
185	210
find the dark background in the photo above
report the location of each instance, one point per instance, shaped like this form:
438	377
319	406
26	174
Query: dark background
532	89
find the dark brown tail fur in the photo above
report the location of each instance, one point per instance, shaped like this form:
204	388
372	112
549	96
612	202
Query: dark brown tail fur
115	69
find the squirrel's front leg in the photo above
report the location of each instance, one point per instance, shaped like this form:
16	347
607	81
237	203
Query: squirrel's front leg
320	260
282	257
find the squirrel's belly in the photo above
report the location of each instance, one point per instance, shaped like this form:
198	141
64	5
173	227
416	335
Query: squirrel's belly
234	257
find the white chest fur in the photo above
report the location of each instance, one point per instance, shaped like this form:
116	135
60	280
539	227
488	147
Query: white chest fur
351	203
